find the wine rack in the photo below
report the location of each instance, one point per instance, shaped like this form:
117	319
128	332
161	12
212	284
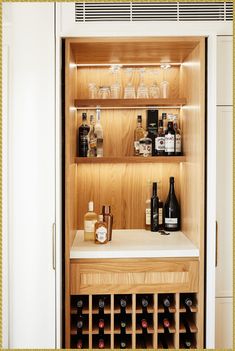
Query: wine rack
168	321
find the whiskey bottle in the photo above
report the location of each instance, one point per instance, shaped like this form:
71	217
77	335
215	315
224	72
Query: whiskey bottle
92	139
160	140
83	131
154	209
90	219
145	146
99	135
139	133
170	140
178	139
171	210
101	231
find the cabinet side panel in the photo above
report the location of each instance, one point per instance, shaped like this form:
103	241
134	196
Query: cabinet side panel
192	172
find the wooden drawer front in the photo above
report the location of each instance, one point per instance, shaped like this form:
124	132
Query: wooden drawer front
133	276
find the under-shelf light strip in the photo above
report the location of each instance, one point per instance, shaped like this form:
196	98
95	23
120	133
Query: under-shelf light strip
124	107
73	65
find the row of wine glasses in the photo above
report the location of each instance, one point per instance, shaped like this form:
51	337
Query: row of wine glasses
143	91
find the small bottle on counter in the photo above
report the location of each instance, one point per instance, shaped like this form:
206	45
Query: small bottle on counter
108	219
101	231
90	220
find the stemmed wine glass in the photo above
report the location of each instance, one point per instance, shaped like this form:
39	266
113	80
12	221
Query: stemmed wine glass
142	91
116	86
154	90
164	86
129	91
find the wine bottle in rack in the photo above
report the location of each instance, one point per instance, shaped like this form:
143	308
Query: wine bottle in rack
123	338
79	343
188	302
144	325
101	343
163	341
166	325
186	325
166	303
186	341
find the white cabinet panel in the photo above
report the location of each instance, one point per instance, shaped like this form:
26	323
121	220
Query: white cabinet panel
225	70
224	323
31	176
224	202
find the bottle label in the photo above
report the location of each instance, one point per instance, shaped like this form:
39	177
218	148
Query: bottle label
101	234
148	216
136	146
145	149
160	144
89	226
160	221
178	143
169	142
171	220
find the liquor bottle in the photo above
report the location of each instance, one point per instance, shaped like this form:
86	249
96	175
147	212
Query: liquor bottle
160	140
83	131
170	140
164	121
171	210
151	127
101	231
178	139
145	146
92	139
99	135
148	207
154	209
90	219
108	219
139	133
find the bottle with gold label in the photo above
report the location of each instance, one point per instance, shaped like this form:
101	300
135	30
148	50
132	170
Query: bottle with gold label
90	219
101	231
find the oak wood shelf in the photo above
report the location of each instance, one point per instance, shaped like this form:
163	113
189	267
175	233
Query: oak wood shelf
80	103
131	159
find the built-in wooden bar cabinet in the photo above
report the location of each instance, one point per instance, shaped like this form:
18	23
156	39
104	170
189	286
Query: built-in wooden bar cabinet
149	265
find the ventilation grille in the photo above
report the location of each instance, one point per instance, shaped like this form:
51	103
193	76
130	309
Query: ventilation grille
153	11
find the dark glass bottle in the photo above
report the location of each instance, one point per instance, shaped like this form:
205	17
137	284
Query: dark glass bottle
166	303
171	210
144	326
186	341
79	343
83	131
154	209
160	140
170	140
163	341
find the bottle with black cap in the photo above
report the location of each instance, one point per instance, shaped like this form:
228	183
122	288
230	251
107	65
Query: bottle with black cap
171	210
154	209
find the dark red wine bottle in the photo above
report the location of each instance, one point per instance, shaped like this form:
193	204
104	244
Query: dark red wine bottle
101	323
101	343
154	209
166	323
171	210
79	343
83	131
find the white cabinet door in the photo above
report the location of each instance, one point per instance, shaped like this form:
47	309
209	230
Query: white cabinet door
31	175
224	276
224	323
225	70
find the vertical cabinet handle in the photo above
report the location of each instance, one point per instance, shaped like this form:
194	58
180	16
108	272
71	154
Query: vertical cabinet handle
53	246
216	243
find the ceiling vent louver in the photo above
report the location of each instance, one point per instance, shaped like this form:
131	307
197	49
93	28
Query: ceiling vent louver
153	11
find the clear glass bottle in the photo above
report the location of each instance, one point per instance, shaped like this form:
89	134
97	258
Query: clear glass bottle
90	220
178	138
139	133
99	135
92	139
101	231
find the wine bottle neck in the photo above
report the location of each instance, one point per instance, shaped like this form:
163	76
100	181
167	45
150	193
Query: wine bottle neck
172	189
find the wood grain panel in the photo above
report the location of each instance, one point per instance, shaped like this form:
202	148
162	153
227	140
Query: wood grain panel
146	276
132	49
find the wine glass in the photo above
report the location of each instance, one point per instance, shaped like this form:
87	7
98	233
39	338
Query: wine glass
142	91
164	86
154	90
116	86
129	91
